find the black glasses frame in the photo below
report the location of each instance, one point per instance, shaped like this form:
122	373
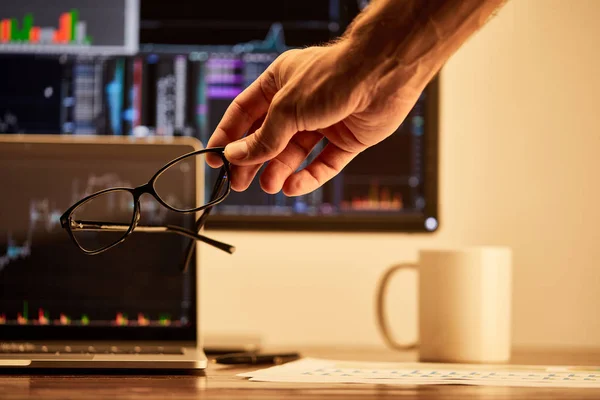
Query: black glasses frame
69	224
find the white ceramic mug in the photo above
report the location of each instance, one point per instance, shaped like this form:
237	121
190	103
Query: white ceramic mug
464	305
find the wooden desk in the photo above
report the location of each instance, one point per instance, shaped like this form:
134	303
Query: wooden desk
220	382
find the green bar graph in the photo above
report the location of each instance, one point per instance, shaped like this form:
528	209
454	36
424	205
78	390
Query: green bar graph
21	34
27	25
164	319
25	310
70	29
74	20
14	29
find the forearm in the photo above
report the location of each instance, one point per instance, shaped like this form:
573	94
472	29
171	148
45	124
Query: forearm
414	38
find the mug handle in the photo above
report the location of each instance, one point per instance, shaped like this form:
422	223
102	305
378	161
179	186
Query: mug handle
382	324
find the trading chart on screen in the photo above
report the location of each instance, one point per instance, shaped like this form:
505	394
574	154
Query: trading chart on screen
45	280
191	62
69	26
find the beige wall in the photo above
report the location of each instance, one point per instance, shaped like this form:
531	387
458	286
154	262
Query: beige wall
519	144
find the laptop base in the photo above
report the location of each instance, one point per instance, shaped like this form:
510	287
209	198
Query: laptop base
100	356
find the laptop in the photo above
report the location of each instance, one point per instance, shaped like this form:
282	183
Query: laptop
129	307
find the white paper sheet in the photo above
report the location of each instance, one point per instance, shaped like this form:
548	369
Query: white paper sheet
314	370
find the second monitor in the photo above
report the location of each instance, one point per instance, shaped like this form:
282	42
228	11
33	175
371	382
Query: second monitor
183	90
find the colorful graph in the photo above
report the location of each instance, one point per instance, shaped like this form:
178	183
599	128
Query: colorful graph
224	78
378	199
121	319
45	317
114	97
142	320
164	320
70	30
23	318
64	319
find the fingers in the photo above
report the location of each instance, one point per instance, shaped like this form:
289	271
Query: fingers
242	175
327	165
288	161
244	110
271	138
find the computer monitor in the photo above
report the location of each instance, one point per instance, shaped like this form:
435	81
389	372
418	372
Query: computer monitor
50	289
193	59
107	27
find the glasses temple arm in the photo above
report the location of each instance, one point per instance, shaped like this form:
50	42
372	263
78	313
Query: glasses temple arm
202	219
215	243
102	226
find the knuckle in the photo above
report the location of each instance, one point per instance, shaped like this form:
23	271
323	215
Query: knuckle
286	166
268	84
275	73
285	55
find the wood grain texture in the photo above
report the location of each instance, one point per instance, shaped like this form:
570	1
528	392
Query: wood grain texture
220	382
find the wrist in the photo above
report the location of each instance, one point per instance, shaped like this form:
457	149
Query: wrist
381	63
393	45
390	33
411	39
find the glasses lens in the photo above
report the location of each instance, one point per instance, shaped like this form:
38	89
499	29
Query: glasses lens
183	177
103	220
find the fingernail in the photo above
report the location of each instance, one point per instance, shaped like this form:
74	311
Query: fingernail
236	150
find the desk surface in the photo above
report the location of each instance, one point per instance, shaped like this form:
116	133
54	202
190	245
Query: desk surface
220	382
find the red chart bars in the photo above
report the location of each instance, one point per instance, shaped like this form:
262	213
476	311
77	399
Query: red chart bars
378	198
70	30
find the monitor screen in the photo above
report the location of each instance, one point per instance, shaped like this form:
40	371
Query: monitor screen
51	289
69	26
191	63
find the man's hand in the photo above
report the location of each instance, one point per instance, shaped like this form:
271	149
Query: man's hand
354	92
304	96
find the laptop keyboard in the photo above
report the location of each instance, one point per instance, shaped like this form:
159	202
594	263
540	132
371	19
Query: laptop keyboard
28	348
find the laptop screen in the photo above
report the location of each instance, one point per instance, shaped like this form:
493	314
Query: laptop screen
50	289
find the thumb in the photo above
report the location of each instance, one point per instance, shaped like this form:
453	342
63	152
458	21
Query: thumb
267	141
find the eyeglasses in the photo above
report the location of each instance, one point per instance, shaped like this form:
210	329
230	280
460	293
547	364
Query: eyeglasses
103	220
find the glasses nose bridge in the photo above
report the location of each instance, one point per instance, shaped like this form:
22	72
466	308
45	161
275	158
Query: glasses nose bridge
137	193
140	190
